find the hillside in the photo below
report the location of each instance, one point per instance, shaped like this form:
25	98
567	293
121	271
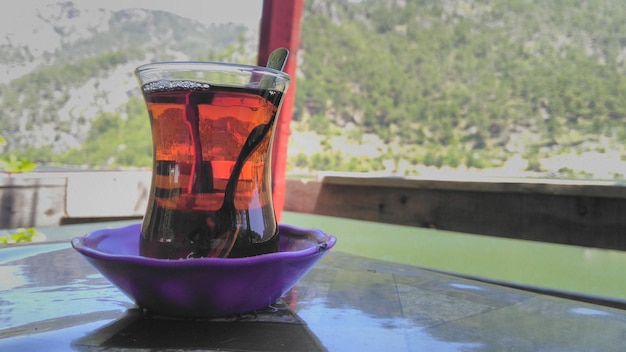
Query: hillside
75	63
471	84
511	87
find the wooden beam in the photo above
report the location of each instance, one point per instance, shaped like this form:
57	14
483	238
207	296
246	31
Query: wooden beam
280	27
589	214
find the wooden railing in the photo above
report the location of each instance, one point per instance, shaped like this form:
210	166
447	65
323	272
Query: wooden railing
52	198
585	213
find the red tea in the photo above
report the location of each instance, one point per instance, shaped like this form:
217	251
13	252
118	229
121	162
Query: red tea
198	134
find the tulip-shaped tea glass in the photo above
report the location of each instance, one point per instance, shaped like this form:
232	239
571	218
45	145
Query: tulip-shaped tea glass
212	130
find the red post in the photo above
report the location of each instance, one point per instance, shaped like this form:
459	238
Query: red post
280	27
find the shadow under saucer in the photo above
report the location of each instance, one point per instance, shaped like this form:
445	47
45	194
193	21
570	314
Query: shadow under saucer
275	328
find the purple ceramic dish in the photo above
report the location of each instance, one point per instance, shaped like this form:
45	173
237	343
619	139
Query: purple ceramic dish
202	287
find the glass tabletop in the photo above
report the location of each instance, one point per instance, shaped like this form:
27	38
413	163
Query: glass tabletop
52	300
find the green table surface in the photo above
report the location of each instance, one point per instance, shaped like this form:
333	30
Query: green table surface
571	269
52	300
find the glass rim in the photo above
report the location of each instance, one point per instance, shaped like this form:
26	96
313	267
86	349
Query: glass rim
209	66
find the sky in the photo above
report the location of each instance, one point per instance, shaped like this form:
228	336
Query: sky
247	12
19	24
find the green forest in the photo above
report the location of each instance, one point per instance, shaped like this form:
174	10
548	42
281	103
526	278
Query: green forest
448	83
469	82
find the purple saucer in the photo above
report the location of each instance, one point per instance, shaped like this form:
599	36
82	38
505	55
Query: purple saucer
202	287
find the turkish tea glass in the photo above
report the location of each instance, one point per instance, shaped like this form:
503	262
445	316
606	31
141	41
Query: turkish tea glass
212	129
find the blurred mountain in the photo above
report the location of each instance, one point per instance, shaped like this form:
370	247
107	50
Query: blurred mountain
62	64
464	83
395	86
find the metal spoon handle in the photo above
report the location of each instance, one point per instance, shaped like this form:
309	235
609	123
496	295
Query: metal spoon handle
277	59
252	142
226	215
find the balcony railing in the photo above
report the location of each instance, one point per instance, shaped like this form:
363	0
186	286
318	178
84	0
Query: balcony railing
584	213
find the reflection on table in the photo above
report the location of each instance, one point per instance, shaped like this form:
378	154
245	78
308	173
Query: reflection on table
51	300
